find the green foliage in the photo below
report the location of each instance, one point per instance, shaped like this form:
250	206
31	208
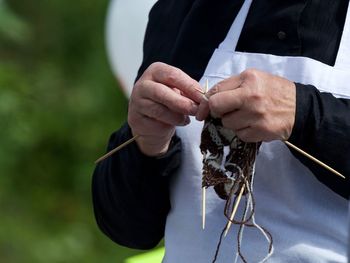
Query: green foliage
58	104
11	26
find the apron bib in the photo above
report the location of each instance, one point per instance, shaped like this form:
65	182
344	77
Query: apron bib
308	221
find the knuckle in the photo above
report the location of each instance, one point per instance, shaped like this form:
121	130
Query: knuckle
214	89
162	96
260	115
141	84
142	88
213	103
250	74
262	111
251	101
260	108
156	112
172	75
256	96
155	66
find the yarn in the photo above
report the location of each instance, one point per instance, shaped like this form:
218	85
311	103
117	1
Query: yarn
228	172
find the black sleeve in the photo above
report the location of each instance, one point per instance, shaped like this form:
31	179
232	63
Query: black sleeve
322	129
130	192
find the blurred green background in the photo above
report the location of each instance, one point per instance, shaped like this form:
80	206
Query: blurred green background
58	105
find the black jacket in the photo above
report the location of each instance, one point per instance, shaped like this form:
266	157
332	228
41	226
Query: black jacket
130	190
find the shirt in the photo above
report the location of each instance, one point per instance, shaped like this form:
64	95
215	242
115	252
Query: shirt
131	204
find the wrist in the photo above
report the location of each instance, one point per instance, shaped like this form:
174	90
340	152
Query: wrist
152	150
153	146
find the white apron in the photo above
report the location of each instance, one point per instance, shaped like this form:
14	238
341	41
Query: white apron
307	220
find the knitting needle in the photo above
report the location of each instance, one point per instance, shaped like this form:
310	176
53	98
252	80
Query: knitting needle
314	159
203	206
116	149
238	200
129	141
203	188
300	151
206	88
199	90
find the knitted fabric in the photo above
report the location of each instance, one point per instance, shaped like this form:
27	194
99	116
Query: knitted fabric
229	165
225	173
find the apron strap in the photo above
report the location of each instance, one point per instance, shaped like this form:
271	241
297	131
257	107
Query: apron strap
231	40
232	37
343	57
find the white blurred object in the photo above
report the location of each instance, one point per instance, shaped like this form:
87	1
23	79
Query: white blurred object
125	30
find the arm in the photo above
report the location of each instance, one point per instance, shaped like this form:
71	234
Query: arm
262	107
130	192
322	128
130	189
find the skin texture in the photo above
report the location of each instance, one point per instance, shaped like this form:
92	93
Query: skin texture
162	99
256	105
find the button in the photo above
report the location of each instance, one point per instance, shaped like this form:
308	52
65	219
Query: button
281	35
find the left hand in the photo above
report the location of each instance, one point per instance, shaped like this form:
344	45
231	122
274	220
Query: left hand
256	105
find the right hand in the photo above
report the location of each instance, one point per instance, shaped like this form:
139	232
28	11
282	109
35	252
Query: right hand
162	99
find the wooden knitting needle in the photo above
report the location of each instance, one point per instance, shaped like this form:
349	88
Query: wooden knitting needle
300	151
203	188
235	207
203	207
206	87
129	141
314	159
116	149
201	91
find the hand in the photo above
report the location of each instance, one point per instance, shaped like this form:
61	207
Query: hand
162	98
256	105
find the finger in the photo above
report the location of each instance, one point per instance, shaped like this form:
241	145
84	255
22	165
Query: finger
227	101
225	85
169	98
176	78
203	110
161	113
145	126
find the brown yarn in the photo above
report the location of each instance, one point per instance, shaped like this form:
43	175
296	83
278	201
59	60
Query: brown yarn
228	175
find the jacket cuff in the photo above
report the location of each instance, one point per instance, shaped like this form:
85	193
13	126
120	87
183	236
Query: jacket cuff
304	97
